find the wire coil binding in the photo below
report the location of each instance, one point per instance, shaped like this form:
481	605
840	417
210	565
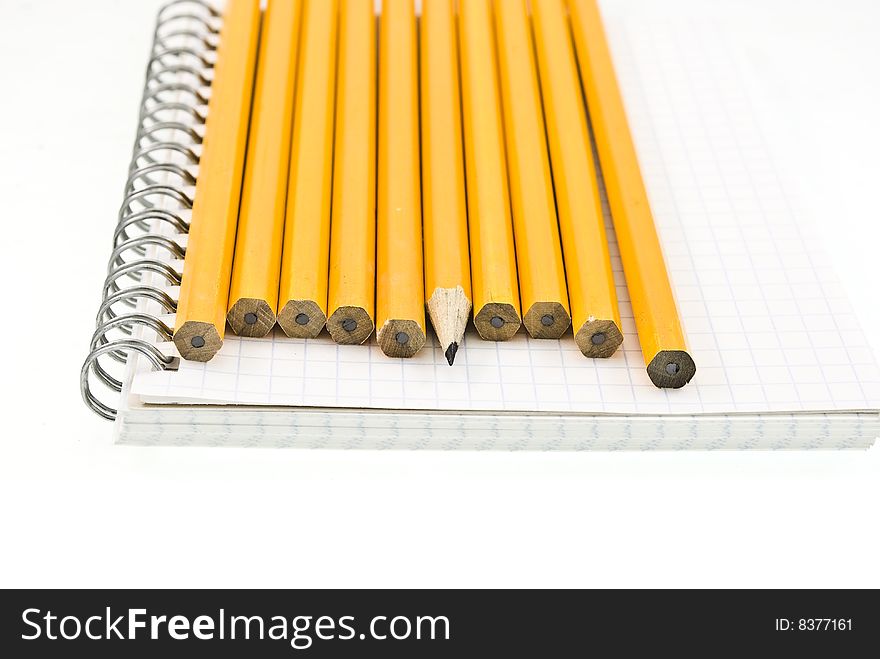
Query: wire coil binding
158	197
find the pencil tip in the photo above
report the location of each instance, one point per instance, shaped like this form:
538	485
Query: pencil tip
450	352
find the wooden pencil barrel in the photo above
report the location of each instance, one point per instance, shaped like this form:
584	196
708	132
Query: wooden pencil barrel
253	294
352	287
204	293
400	287
302	297
591	290
656	315
493	259
542	290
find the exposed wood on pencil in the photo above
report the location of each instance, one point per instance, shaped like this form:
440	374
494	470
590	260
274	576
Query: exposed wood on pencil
400	289
493	260
350	325
656	316
302	297
352	287
204	293
671	369
253	294
598	337
449	309
198	341
447	260
497	321
302	319
591	289
546	320
250	316
401	338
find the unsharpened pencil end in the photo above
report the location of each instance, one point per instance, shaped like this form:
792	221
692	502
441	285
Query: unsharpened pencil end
497	321
301	319
546	320
400	337
598	338
251	317
350	325
197	341
450	352
671	369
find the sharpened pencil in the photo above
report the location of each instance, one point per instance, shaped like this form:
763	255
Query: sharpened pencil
447	260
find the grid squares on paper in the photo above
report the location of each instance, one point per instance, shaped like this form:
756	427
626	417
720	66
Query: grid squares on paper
767	324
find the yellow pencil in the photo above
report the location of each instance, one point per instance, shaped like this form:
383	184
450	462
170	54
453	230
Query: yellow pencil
591	289
542	289
253	295
400	287
660	334
302	297
352	287
201	312
493	260
447	261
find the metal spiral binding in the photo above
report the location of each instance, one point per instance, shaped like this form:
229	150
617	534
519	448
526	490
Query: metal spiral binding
158	197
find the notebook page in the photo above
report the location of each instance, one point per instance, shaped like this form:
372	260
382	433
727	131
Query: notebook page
767	324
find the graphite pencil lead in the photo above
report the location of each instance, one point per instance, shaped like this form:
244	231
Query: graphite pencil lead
450	352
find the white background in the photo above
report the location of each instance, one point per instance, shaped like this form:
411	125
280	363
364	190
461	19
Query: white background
77	511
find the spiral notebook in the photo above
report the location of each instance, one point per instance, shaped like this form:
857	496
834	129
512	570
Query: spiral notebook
781	361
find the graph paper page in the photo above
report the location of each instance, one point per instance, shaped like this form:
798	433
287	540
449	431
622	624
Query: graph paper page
767	324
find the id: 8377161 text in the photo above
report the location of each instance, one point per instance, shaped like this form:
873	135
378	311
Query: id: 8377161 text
814	624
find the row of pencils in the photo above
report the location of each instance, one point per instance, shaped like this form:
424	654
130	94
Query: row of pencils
358	172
